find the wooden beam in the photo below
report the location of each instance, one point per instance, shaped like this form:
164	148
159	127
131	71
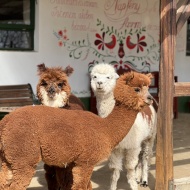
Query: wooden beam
164	145
182	89
184	13
181	7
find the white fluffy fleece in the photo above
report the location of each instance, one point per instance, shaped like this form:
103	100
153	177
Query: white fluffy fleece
139	139
58	101
103	80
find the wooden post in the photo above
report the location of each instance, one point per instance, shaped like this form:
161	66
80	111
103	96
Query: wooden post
164	146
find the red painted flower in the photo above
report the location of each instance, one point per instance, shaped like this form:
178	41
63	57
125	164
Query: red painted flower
60	43
60	33
65	37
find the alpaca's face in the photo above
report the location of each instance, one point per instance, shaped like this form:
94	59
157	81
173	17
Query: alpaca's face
103	83
132	90
53	89
144	93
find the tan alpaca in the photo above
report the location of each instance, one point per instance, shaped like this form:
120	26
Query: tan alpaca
60	137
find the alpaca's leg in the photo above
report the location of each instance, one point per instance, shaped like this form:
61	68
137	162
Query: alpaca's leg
16	178
89	187
81	176
146	159
6	176
115	163
22	175
132	156
65	177
50	175
139	169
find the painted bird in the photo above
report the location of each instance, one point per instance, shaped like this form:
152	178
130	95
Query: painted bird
101	43
112	43
140	43
129	44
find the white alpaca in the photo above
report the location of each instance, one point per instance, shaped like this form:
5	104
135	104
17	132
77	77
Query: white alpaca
136	147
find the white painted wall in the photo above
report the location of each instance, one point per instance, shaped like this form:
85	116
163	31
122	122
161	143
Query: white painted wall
21	67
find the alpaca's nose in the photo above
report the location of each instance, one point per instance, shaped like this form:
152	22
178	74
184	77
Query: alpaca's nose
51	90
99	82
149	97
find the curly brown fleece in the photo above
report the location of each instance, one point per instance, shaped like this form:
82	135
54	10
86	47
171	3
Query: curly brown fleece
35	133
54	81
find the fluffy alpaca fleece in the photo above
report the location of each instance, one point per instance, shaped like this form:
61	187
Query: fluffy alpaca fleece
140	137
60	137
54	90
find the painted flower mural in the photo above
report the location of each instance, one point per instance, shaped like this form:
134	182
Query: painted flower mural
131	49
62	37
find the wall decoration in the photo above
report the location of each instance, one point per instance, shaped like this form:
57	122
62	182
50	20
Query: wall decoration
119	32
117	45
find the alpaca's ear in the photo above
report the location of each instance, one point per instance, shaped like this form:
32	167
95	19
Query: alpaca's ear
129	77
68	70
116	76
149	75
41	68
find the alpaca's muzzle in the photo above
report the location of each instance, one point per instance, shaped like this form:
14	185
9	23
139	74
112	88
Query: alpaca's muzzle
149	99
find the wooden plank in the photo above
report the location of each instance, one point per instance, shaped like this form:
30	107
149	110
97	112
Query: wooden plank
15	94
164	145
15	104
183	16
182	89
12	100
180	8
8	109
23	86
15	100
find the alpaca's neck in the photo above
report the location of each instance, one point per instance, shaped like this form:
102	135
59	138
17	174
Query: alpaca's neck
105	104
118	124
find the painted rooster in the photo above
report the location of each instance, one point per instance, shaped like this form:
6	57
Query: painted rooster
101	43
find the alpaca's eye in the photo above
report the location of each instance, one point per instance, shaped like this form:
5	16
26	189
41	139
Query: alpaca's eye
60	85
137	90
94	77
108	77
43	83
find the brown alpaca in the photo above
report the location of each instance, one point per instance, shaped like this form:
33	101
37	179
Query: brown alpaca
60	137
54	90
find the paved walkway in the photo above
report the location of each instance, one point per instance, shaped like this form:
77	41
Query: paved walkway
101	174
